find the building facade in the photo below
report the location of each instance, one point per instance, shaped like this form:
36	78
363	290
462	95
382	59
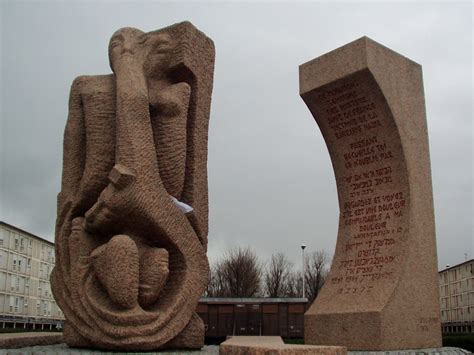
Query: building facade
26	263
456	286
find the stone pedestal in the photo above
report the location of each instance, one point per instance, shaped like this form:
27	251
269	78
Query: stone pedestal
382	291
273	345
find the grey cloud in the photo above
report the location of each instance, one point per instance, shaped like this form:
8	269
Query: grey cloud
271	182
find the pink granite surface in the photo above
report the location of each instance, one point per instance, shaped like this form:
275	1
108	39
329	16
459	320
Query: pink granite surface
263	345
382	290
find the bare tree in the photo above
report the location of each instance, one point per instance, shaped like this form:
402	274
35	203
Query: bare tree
277	276
240	274
215	288
237	274
295	284
316	265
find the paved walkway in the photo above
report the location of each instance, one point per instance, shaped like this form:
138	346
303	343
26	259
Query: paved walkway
439	351
62	349
51	347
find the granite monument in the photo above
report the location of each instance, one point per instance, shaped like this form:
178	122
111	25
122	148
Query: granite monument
382	290
132	223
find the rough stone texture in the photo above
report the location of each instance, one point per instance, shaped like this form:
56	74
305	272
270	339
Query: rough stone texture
130	264
262	345
21	340
382	291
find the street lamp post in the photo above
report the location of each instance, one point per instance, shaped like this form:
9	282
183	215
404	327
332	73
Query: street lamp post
303	246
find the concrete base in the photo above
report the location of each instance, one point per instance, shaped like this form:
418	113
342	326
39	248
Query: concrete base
260	345
22	340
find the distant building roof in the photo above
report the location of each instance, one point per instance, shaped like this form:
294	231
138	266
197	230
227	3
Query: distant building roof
457	265
251	300
25	232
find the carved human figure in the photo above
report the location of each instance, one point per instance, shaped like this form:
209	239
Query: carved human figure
132	212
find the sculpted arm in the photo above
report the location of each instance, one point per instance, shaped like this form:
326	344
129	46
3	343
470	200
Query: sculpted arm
74	149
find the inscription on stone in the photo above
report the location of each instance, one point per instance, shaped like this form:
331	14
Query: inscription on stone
373	202
381	293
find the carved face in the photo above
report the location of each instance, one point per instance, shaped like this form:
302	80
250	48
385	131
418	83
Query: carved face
159	53
150	51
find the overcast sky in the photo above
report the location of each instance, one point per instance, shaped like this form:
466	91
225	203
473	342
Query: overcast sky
271	184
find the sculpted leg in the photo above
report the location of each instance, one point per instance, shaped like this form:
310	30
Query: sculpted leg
152	262
153	274
116	266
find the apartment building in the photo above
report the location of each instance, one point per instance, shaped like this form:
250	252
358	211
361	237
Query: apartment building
456	286
26	262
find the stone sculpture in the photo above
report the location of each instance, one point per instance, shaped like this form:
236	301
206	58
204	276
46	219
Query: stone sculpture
131	232
382	290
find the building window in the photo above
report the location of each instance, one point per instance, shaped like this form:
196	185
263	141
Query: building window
12	282
45	308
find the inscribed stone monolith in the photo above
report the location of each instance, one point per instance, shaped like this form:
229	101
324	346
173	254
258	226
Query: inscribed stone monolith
382	290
